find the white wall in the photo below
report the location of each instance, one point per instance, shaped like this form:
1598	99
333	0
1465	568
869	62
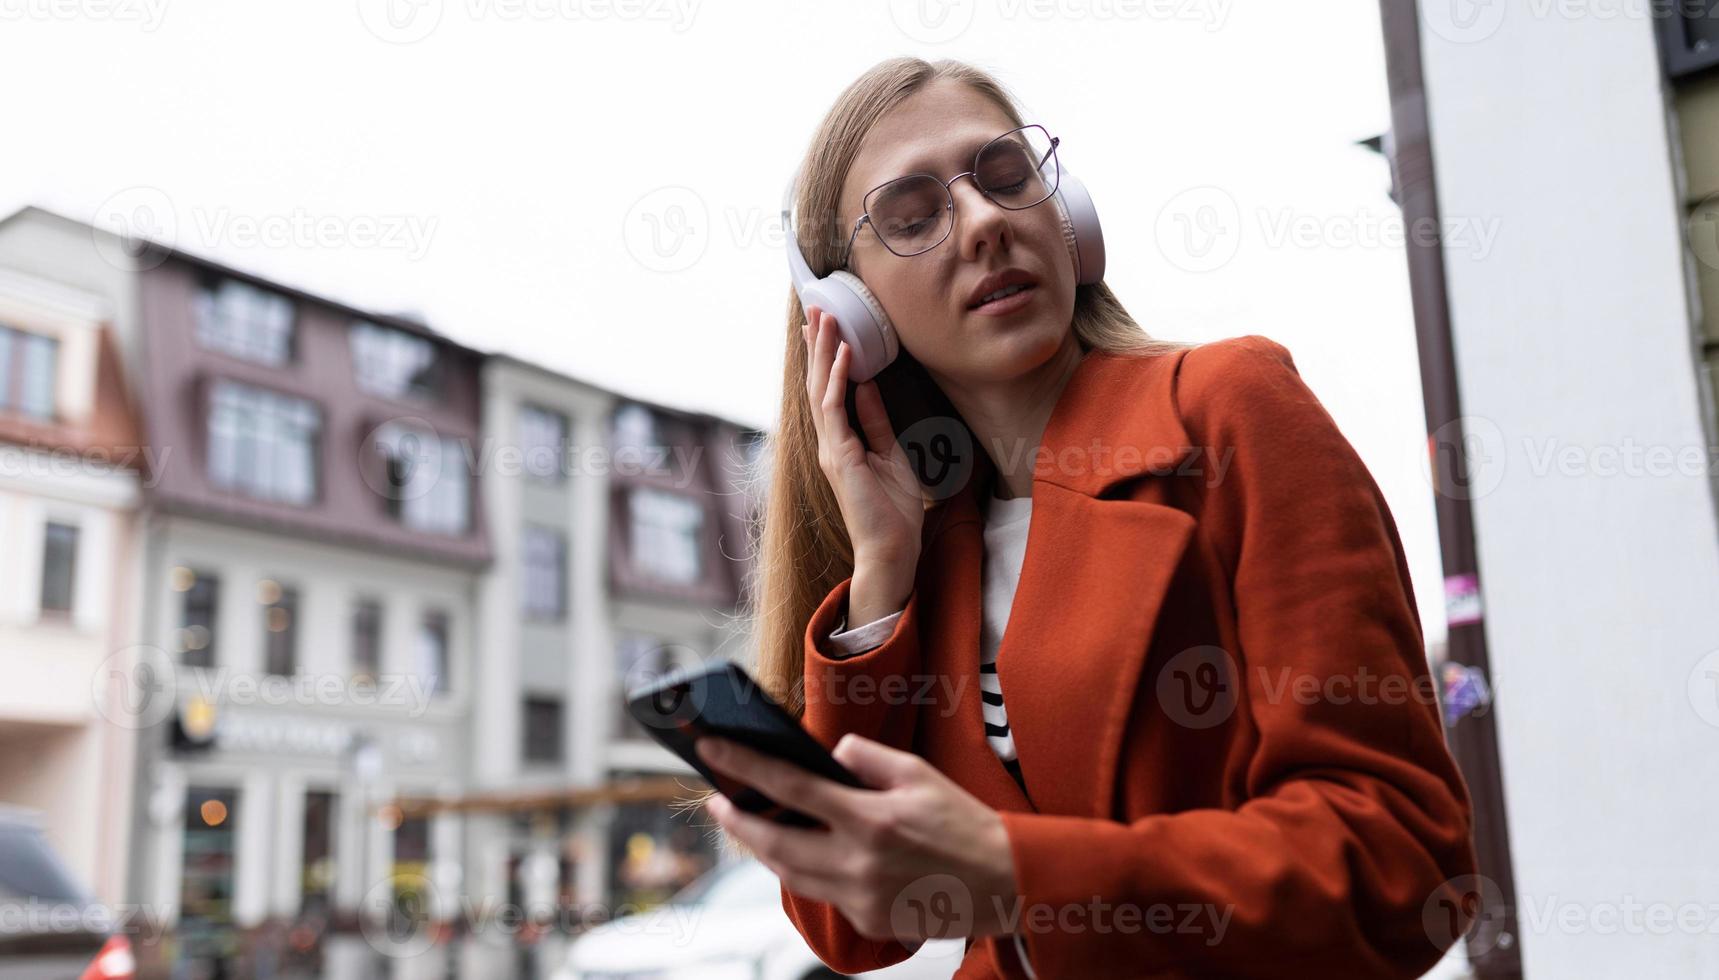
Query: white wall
1601	588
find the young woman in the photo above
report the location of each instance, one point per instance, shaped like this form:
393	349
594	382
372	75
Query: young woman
1206	743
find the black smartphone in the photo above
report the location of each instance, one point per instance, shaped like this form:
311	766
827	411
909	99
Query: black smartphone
719	698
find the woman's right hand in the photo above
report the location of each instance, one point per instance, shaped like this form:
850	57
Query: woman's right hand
879	493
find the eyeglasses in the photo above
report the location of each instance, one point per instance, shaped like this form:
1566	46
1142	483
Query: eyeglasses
914	214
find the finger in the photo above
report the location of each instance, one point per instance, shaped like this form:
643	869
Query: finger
791	852
874	418
877	764
814	389
829	801
836	400
823	351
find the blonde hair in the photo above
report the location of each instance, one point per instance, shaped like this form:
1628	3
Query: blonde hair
803	550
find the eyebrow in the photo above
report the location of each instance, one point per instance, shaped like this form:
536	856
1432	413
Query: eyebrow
922	162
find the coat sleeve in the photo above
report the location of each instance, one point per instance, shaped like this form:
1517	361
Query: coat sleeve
1356	819
834	707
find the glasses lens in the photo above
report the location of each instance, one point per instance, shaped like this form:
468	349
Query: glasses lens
1018	169
911	214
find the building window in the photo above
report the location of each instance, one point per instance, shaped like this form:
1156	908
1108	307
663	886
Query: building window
433	663
200	595
28	363
411	876
263	444
542	729
635	428
280	627
237	318
428	479
59	567
543	441
545	551
366	640
316	861
393	363
667	532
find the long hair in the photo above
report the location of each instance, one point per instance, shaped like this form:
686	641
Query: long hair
803	550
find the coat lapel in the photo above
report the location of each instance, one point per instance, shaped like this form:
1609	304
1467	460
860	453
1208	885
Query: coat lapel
1092	586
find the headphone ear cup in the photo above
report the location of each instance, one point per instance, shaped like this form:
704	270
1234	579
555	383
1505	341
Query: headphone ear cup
860	320
1068	236
1081	228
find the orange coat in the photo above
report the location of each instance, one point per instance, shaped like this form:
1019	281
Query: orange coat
1212	586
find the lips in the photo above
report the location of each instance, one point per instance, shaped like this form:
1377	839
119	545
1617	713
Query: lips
996	281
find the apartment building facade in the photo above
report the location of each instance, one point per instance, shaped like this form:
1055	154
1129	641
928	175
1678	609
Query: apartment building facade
309	560
619	530
71	468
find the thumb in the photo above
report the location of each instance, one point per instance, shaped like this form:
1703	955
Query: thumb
876	764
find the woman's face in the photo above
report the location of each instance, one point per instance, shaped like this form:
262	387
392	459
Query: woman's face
938	130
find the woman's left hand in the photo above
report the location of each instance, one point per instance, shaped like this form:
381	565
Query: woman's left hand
914	857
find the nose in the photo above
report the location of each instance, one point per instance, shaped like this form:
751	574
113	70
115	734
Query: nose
977	218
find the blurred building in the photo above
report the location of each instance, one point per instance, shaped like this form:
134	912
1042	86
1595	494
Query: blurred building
70	468
620	549
388	595
311	546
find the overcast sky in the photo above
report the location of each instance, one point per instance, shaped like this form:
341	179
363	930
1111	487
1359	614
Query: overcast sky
593	184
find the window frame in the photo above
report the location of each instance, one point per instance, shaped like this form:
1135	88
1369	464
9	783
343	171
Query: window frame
214	329
248	422
558	706
70	573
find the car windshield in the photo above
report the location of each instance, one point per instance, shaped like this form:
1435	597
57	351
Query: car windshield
738	884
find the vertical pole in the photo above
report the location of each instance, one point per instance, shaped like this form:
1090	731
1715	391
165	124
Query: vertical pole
1493	944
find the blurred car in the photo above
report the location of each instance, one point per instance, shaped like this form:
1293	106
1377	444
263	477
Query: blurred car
727	923
49	928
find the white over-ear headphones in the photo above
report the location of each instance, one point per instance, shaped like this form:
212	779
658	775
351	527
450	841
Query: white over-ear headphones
860	317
